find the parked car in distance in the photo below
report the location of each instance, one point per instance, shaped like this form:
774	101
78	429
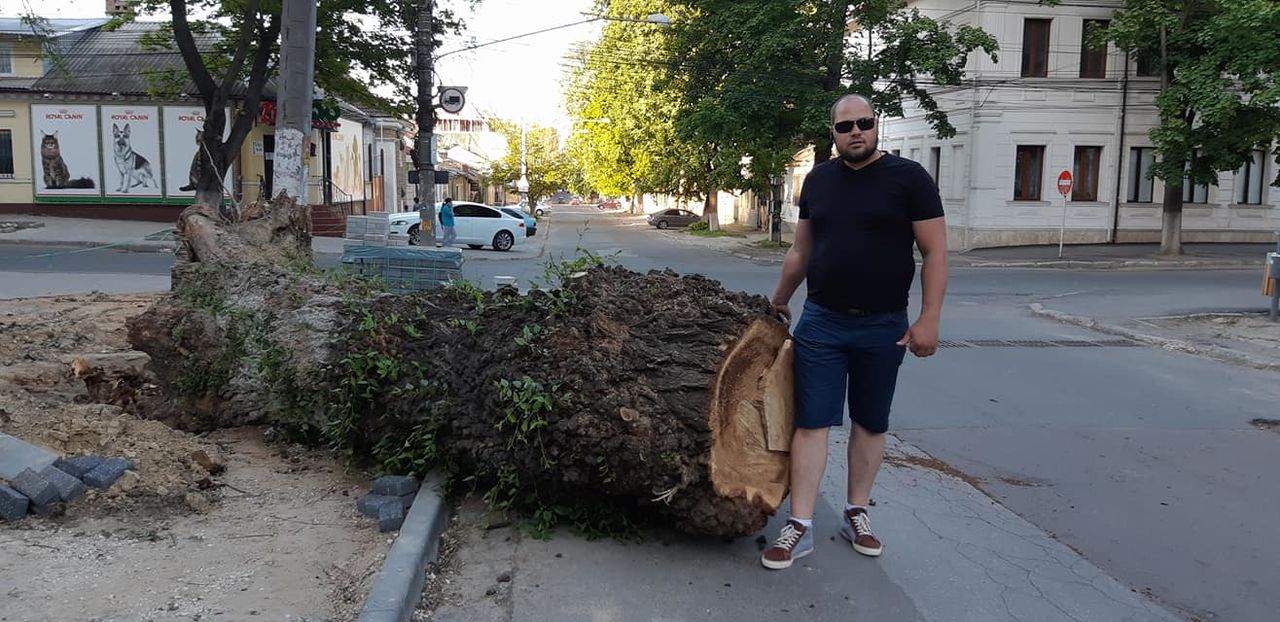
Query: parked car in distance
475	224
668	218
530	223
610	204
542	209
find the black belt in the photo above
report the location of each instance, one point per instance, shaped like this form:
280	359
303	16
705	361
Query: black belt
853	311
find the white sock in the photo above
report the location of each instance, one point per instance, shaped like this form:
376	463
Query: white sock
850	506
807	522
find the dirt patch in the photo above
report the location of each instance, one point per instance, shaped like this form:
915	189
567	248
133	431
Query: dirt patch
934	464
10	226
1252	333
211	526
1270	425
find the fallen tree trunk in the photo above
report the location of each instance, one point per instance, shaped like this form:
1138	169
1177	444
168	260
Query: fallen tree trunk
650	391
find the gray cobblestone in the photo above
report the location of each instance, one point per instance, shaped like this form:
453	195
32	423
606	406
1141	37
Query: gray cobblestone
36	487
13	504
395	485
371	504
390	516
106	474
69	488
78	466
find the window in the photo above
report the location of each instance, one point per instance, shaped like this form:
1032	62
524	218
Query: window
1147	66
1035	48
1249	179
935	164
6	60
896	152
1093	61
1085	176
6	154
1029	174
1141	185
1192	192
915	155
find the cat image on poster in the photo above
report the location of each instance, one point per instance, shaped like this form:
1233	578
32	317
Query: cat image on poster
135	170
193	176
56	174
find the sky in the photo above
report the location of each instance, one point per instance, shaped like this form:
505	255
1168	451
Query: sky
518	80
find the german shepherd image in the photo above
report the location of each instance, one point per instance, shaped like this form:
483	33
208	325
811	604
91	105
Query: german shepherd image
135	170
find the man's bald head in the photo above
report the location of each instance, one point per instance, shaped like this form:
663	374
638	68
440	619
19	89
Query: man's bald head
852	97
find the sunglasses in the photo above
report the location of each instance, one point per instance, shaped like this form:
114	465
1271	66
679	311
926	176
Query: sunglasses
865	124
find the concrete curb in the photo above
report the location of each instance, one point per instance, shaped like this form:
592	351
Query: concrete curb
133	247
1108	264
1217	353
398	586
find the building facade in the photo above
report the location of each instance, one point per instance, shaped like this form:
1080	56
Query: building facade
81	133
1051	103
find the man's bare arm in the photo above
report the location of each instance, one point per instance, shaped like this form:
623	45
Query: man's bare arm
793	269
931	237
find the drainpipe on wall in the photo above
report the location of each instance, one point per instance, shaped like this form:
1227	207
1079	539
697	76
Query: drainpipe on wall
1124	109
970	195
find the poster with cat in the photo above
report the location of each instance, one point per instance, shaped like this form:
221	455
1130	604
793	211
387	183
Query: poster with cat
131	154
183	131
64	139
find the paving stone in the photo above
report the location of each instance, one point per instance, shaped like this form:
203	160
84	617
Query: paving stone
13	504
17	455
36	487
78	466
390	516
69	488
371	504
106	474
394	485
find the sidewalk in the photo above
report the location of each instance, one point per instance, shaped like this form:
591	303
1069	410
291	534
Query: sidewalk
158	237
747	243
86	233
952	554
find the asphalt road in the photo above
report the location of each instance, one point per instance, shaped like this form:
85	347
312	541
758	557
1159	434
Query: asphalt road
1141	460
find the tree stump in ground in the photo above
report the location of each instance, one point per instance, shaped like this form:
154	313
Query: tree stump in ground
611	388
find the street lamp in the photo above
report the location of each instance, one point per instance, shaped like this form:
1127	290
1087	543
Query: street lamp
775	220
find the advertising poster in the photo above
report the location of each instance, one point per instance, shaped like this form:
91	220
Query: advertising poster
65	141
131	152
183	131
348	161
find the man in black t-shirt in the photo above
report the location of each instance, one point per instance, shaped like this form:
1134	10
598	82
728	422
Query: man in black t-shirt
859	217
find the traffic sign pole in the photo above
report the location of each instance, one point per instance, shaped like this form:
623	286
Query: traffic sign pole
1064	188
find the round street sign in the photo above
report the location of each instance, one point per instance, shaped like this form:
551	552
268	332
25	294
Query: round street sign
452	99
1064	183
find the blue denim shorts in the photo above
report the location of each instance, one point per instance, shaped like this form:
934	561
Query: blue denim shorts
839	357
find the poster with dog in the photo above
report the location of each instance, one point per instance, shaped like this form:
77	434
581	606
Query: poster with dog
131	152
183	133
64	140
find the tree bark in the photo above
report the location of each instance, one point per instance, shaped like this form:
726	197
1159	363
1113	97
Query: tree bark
1171	223
653	392
711	209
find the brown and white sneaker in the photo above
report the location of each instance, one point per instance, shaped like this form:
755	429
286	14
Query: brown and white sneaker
857	530
795	541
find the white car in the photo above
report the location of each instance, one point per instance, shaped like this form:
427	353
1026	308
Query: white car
476	225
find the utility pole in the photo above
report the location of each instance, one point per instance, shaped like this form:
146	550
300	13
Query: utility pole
424	43
293	112
522	186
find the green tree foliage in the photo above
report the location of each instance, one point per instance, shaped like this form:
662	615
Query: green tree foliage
549	167
1220	73
746	83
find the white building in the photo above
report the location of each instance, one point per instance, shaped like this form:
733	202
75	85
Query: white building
1052	104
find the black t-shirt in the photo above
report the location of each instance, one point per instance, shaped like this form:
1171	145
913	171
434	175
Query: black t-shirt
862	237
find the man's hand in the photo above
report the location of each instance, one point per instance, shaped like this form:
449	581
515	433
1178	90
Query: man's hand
921	338
783	310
